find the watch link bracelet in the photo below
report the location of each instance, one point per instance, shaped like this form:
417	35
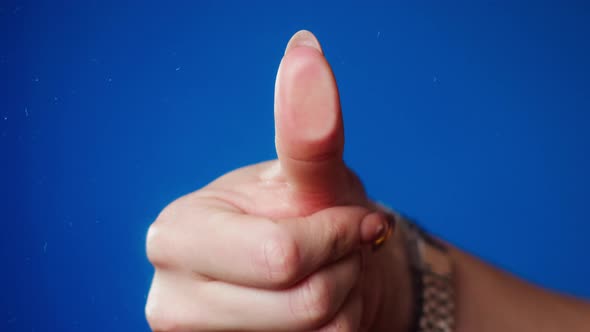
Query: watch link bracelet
432	277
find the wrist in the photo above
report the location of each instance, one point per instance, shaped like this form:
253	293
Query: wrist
396	308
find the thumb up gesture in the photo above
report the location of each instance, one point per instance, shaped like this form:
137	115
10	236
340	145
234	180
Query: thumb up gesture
283	245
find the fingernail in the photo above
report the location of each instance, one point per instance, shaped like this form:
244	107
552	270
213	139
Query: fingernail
380	231
303	38
384	230
373	227
382	234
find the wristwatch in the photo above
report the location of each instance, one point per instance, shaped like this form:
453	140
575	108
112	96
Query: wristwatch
432	277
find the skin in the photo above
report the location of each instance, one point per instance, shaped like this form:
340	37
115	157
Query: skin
285	245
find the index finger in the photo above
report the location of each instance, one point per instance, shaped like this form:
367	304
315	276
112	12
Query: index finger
226	245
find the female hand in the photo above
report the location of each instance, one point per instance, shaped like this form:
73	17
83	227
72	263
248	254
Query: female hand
279	246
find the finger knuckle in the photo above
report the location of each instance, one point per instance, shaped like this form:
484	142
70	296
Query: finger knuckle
338	236
169	309
158	239
171	211
155	319
315	301
280	259
338	326
156	245
159	319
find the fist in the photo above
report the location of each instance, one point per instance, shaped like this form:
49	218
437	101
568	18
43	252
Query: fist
282	245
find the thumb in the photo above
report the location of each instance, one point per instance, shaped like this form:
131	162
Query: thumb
308	122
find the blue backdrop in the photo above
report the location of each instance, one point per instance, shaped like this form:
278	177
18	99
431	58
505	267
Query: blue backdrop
473	117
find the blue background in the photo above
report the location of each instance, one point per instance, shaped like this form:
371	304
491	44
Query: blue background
472	116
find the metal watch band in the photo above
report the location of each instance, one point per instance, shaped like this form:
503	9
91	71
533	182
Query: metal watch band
436	303
432	277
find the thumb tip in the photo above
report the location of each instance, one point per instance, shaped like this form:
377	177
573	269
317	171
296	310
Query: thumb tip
303	38
309	134
308	121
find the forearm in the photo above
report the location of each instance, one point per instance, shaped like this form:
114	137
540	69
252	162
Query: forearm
488	299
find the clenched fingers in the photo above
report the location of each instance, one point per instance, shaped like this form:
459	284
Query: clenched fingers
185	304
349	316
225	245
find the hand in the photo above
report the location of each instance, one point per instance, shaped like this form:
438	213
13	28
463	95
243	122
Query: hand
278	246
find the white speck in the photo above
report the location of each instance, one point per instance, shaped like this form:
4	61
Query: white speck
109	79
434	79
26	112
70	224
35	79
378	34
45	246
5	118
55	99
177	68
